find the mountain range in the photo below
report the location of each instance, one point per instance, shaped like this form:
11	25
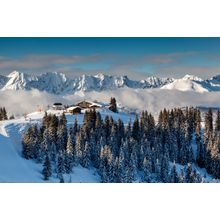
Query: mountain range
59	83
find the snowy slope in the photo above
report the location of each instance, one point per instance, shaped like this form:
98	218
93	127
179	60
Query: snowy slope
189	83
14	168
3	81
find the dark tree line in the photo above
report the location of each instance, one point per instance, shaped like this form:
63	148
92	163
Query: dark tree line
3	114
122	153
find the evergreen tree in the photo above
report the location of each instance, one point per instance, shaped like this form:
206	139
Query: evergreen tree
26	151
147	171
158	170
60	165
113	105
121	174
164	169
200	147
61	178
106	165
61	136
69	155
174	178
47	168
3	114
217	122
86	155
182	176
136	129
189	174
208	126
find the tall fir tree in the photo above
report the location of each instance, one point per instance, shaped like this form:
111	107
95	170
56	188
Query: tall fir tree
47	172
174	178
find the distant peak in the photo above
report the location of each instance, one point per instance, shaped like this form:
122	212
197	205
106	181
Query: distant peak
14	73
100	75
191	77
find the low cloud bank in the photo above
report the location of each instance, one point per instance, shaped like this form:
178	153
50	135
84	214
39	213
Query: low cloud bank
153	100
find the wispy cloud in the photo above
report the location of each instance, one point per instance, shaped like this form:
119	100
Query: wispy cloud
171	64
166	58
45	62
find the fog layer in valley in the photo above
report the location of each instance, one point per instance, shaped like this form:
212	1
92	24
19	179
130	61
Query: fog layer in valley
153	100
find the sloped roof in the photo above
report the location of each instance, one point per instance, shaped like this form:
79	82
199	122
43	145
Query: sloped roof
72	108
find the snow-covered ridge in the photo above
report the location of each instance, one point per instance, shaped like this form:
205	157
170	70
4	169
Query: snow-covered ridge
195	84
59	83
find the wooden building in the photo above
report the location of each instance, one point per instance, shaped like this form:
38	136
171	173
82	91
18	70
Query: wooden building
88	105
74	110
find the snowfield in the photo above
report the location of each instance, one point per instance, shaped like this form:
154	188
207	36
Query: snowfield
14	168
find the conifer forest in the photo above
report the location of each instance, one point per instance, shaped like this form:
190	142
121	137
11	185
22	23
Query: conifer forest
169	149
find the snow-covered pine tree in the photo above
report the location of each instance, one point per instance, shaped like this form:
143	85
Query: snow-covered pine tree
208	126
200	157
45	145
63	120
158	170
69	155
121	166
121	131
189	172
147	170
128	130
215	157
52	124
47	172
114	140
26	151
85	161
217	122
174	178
181	176
61	136
136	129
61	178
30	143
106	165
208	161
60	167
164	173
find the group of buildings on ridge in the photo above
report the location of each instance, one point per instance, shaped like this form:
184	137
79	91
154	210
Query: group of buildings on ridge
79	107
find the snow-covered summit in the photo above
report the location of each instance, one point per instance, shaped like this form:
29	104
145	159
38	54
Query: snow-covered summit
189	83
192	77
59	83
18	81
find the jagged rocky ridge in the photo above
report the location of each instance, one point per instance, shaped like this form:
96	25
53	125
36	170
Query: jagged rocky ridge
59	83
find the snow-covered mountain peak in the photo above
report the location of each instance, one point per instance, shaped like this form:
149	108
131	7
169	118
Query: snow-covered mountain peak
18	80
189	83
191	77
14	74
58	83
100	76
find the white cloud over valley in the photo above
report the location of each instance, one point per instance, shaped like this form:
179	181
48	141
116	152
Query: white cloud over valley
153	100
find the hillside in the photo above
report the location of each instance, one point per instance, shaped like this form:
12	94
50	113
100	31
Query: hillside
14	168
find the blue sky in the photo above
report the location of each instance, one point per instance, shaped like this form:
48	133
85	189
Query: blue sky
135	57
